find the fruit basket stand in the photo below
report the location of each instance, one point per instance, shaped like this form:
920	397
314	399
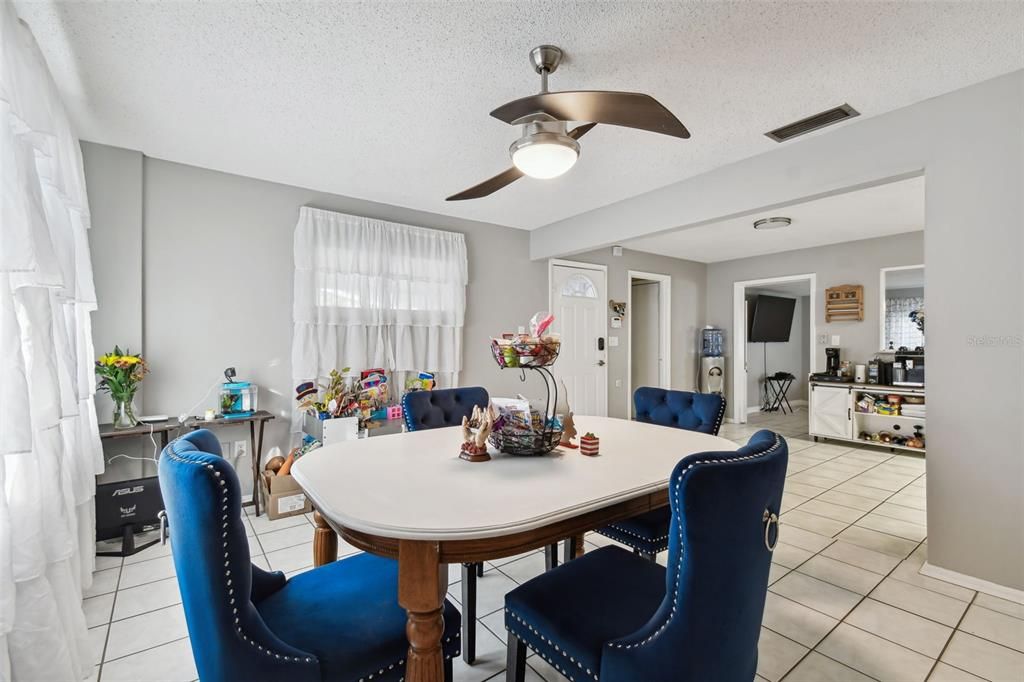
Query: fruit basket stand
545	431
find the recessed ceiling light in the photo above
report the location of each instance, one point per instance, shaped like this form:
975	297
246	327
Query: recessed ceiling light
771	223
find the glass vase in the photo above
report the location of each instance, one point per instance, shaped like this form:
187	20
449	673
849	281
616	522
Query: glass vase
124	414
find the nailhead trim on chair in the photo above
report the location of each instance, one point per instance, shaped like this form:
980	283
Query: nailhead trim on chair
718	419
636	535
227	571
567	673
679	567
402	662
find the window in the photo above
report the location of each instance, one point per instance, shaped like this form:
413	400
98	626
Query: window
370	293
900	329
579	286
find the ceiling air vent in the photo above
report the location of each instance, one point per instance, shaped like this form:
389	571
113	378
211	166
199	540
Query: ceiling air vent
806	125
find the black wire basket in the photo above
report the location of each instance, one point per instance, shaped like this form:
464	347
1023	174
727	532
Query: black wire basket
526	443
522	353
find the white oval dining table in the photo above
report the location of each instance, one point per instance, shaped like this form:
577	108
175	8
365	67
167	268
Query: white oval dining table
409	496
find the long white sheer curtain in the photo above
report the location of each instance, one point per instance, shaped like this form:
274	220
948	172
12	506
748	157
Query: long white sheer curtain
370	293
49	441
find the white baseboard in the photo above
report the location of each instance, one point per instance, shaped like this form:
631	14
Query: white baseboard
795	403
972	583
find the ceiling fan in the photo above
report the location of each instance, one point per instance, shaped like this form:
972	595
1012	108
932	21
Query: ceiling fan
547	148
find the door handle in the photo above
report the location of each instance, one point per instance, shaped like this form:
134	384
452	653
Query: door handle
600	363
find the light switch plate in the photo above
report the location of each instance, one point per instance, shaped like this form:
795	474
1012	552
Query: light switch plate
835	339
618	383
613	341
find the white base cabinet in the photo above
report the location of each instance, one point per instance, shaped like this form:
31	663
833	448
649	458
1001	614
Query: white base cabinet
833	414
831	409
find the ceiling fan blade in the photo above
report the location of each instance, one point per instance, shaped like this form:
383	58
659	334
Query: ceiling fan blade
629	109
579	131
489	186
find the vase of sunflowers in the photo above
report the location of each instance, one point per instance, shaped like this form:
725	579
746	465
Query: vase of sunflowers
119	375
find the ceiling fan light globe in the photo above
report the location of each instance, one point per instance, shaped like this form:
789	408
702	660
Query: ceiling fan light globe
544	155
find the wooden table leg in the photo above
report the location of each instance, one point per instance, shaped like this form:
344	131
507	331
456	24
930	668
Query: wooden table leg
325	541
421	588
578	539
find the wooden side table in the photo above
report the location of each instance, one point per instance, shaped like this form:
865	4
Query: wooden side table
257	419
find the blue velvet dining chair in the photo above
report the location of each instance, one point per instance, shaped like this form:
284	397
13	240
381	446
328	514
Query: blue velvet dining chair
438	409
340	621
611	616
647	534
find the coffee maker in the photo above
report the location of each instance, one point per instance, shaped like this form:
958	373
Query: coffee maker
832	362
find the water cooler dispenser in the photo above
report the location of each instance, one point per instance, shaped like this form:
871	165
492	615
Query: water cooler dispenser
712	360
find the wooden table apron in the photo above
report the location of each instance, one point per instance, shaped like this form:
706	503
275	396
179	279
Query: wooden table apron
422	560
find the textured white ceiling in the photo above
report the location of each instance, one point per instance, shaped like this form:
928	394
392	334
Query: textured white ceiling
390	101
875	212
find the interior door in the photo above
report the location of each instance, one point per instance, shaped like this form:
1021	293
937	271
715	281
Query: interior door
578	300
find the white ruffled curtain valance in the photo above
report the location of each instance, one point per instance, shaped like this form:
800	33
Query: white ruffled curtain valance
371	293
49	441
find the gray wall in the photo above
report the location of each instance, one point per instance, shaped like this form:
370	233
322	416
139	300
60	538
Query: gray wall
791	356
974	214
688	301
215	255
849	263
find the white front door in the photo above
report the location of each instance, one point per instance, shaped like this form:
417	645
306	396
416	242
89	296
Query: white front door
578	301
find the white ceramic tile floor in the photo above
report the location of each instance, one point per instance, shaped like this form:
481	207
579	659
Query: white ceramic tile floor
846	602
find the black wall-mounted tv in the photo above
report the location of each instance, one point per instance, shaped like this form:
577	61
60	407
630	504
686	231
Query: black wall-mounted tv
772	319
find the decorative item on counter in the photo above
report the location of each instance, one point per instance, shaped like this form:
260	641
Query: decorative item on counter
394	412
210	414
590	444
917	317
474	444
120	374
565	415
238	399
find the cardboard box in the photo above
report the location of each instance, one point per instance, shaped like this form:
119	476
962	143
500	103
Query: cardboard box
283	497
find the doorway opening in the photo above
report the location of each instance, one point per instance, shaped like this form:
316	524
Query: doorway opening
648	332
773	359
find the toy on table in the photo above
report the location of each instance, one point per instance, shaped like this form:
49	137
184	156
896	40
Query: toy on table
590	444
474	445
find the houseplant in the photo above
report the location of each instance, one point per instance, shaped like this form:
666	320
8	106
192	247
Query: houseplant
119	375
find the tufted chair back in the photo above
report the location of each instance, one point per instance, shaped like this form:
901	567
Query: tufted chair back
701	412
441	407
709	622
217	581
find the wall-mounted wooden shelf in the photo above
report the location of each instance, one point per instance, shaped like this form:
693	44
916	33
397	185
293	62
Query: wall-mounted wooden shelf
844	303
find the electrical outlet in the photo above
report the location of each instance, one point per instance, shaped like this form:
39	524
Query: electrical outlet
822	339
239	449
618	383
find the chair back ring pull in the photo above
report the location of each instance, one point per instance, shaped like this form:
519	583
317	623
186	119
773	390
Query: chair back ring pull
769	518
